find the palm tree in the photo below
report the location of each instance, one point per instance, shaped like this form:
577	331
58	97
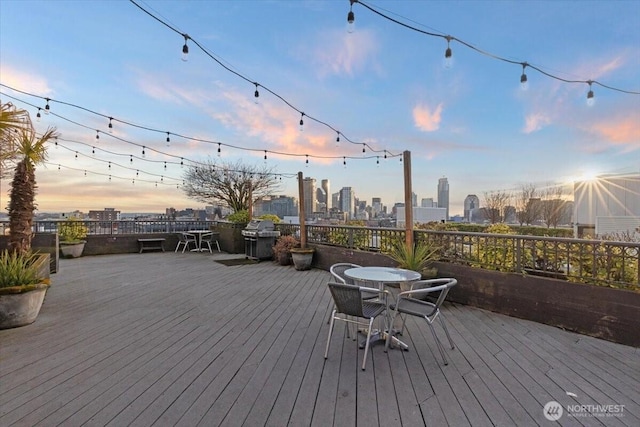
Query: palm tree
30	150
12	120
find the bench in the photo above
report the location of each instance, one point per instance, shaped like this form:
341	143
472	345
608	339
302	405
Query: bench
151	244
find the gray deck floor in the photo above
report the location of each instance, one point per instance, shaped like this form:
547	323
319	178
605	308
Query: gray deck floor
178	339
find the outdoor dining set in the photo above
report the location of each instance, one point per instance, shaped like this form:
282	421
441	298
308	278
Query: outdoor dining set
362	305
197	241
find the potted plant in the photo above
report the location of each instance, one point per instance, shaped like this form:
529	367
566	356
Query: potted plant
416	258
23	285
72	234
21	282
282	249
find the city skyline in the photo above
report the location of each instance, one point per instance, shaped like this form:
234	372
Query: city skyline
383	86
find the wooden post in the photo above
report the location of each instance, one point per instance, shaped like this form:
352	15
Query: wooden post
250	208
408	199
303	225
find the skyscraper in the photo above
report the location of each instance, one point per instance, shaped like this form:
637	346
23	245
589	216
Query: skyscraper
326	187
347	202
309	192
443	194
471	205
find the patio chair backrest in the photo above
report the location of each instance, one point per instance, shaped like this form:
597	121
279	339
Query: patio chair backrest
337	271
347	299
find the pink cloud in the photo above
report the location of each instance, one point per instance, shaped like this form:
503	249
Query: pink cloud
426	119
536	121
622	131
25	80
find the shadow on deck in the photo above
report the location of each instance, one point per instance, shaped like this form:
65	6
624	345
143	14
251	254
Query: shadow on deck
178	339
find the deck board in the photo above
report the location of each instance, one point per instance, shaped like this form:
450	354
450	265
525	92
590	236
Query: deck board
188	341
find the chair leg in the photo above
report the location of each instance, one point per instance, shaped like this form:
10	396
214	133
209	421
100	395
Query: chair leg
446	331
438	343
366	345
326	351
390	333
218	245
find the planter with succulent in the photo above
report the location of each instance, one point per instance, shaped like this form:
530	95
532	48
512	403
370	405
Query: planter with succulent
282	249
72	234
417	257
22	286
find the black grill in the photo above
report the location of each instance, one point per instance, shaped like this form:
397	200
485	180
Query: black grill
259	238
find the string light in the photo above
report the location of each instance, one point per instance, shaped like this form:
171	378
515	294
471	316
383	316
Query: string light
590	99
38	115
185	49
344	162
110	125
219	150
131	158
76	155
448	59
46	107
265	156
301	122
377	161
306	162
165	165
168	140
351	18
363	150
97	135
143	153
338	139
93	151
523	78
256	94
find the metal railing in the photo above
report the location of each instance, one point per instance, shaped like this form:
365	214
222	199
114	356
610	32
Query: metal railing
120	227
599	262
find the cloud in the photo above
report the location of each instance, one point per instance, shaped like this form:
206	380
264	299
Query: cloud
619	131
426	119
339	53
535	121
25	80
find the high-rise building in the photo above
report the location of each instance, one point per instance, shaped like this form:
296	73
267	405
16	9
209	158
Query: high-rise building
443	195
414	199
427	203
471	205
376	206
309	192
326	187
347	202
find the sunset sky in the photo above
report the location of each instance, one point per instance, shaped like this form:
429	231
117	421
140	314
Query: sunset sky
383	85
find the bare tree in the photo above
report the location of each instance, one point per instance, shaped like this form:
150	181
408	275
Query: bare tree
233	184
527	204
553	206
494	203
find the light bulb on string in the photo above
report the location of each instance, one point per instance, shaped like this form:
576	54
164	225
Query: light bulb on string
137	172
363	150
46	107
306	162
93	151
181	162
185	49
385	155
85	172
110	125
256	94
131	158
338	139
590	99
76	155
165	165
58	166
344	162
109	165
351	18
97	135
301	122
448	54
38	115
265	156
109	178
524	84
378	161
143	152
219	150
168	140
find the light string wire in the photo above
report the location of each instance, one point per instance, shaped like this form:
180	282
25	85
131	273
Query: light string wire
188	138
257	85
524	64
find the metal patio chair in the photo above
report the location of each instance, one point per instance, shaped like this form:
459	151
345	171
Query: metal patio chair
207	239
184	240
349	302
417	302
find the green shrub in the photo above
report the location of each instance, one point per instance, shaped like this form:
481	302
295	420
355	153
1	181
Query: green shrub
239	217
72	231
17	269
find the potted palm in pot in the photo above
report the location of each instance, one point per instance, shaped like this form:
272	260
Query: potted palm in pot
417	257
23	275
72	234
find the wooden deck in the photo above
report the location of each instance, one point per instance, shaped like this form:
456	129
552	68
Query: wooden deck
170	339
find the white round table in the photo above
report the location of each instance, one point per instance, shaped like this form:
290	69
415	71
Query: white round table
382	275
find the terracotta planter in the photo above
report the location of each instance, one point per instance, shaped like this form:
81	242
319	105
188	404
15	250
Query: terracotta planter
21	308
72	250
302	258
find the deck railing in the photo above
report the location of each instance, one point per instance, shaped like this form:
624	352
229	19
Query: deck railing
599	262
